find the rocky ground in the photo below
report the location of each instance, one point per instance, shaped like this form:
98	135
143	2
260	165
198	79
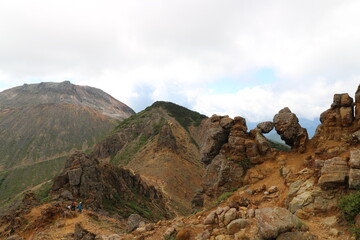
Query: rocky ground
249	190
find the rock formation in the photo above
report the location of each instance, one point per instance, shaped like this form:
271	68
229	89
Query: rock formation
217	133
339	127
288	127
229	151
265	127
105	186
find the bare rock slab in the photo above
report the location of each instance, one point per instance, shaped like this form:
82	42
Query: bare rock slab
271	222
334	173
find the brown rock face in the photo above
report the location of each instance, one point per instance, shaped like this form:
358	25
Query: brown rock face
334	173
288	127
222	175
338	128
217	135
103	184
341	112
239	150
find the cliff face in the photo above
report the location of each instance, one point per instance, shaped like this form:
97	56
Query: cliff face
107	187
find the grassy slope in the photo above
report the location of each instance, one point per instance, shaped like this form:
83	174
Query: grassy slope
15	181
45	132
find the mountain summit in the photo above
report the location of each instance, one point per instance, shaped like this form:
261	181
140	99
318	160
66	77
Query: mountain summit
64	93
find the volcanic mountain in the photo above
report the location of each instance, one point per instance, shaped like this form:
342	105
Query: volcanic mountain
41	124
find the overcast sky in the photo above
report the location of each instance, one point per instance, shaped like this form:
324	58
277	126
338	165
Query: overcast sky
247	58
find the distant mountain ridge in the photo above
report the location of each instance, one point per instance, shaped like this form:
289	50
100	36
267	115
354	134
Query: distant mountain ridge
64	93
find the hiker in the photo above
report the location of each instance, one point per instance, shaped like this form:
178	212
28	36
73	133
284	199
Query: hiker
80	207
73	205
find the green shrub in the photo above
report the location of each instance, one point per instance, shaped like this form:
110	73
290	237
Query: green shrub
223	197
355	231
350	206
183	115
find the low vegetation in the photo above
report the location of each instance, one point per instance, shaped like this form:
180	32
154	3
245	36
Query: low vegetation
124	156
223	197
15	181
125	208
183	115
350	207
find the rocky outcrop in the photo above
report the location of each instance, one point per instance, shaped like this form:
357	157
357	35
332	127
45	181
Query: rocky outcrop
104	186
338	124
239	151
341	112
221	176
274	221
335	172
288	127
217	132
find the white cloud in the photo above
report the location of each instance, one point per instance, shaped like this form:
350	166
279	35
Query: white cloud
142	51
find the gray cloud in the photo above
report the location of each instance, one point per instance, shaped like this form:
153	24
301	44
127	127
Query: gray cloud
142	51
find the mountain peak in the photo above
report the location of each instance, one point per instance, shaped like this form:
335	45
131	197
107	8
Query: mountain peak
64	93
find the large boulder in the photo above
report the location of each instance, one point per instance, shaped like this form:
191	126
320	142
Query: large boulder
236	225
288	127
217	132
271	222
265	127
300	201
334	173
